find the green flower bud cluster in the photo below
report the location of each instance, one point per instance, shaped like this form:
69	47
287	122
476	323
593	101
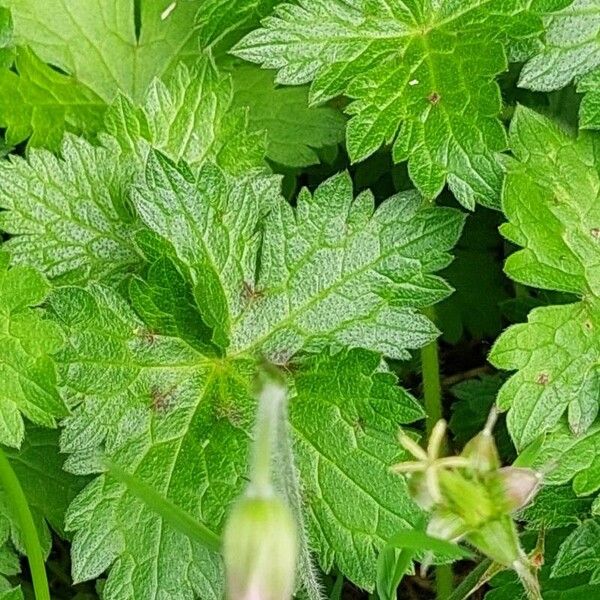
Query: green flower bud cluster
471	497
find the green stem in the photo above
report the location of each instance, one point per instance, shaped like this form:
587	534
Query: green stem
432	393
271	398
444	581
17	500
432	385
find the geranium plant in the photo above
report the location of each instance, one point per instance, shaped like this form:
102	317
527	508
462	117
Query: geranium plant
376	217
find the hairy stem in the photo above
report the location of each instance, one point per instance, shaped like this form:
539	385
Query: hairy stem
17	500
271	402
432	393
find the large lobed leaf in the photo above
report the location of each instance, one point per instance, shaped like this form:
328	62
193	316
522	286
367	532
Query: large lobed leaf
551	199
307	286
333	271
421	75
97	42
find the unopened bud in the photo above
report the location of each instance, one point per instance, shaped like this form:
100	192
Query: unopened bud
481	450
498	539
260	550
520	486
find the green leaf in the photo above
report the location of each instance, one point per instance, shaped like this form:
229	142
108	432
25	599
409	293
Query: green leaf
294	130
96	43
570	52
38	465
70	216
572	587
572	458
39	104
556	506
8	593
223	22
164	301
589	112
580	552
175	409
171	417
67	215
417	540
180	421
99	52
551	202
26	344
99	55
191	116
170	512
420	74
9	559
344	418
316	261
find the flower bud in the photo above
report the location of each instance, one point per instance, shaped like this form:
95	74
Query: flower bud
498	539
481	450
520	486
260	550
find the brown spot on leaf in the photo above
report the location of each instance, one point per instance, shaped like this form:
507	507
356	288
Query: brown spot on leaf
543	379
146	335
162	400
595	233
250	293
434	98
588	325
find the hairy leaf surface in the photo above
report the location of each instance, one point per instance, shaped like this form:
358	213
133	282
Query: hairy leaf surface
70	215
191	117
332	271
181	421
572	458
74	59
580	552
